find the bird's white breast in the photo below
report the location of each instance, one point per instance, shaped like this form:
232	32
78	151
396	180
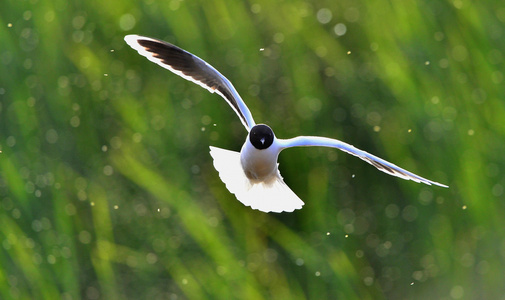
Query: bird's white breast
258	164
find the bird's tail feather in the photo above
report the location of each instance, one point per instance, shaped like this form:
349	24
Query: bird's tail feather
272	195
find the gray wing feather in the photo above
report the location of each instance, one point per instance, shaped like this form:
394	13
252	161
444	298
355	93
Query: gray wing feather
192	68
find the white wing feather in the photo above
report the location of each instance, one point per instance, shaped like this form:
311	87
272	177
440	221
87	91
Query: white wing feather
375	161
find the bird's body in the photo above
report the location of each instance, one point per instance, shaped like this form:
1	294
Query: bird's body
259	153
258	165
251	174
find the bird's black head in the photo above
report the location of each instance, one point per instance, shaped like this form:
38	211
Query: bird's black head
261	136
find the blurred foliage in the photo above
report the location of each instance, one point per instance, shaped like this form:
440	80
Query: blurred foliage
107	190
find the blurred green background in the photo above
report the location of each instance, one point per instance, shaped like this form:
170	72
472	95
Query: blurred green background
107	189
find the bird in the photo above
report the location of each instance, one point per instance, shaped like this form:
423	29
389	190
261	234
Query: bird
251	174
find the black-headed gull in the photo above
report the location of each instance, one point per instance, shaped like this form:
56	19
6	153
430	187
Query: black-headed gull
251	174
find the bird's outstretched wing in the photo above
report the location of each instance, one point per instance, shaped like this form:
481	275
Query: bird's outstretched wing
375	161
192	68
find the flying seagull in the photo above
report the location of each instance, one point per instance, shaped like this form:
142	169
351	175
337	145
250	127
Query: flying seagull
251	174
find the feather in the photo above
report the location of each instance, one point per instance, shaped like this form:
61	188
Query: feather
268	195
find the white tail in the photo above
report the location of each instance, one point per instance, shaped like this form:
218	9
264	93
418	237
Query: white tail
272	195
